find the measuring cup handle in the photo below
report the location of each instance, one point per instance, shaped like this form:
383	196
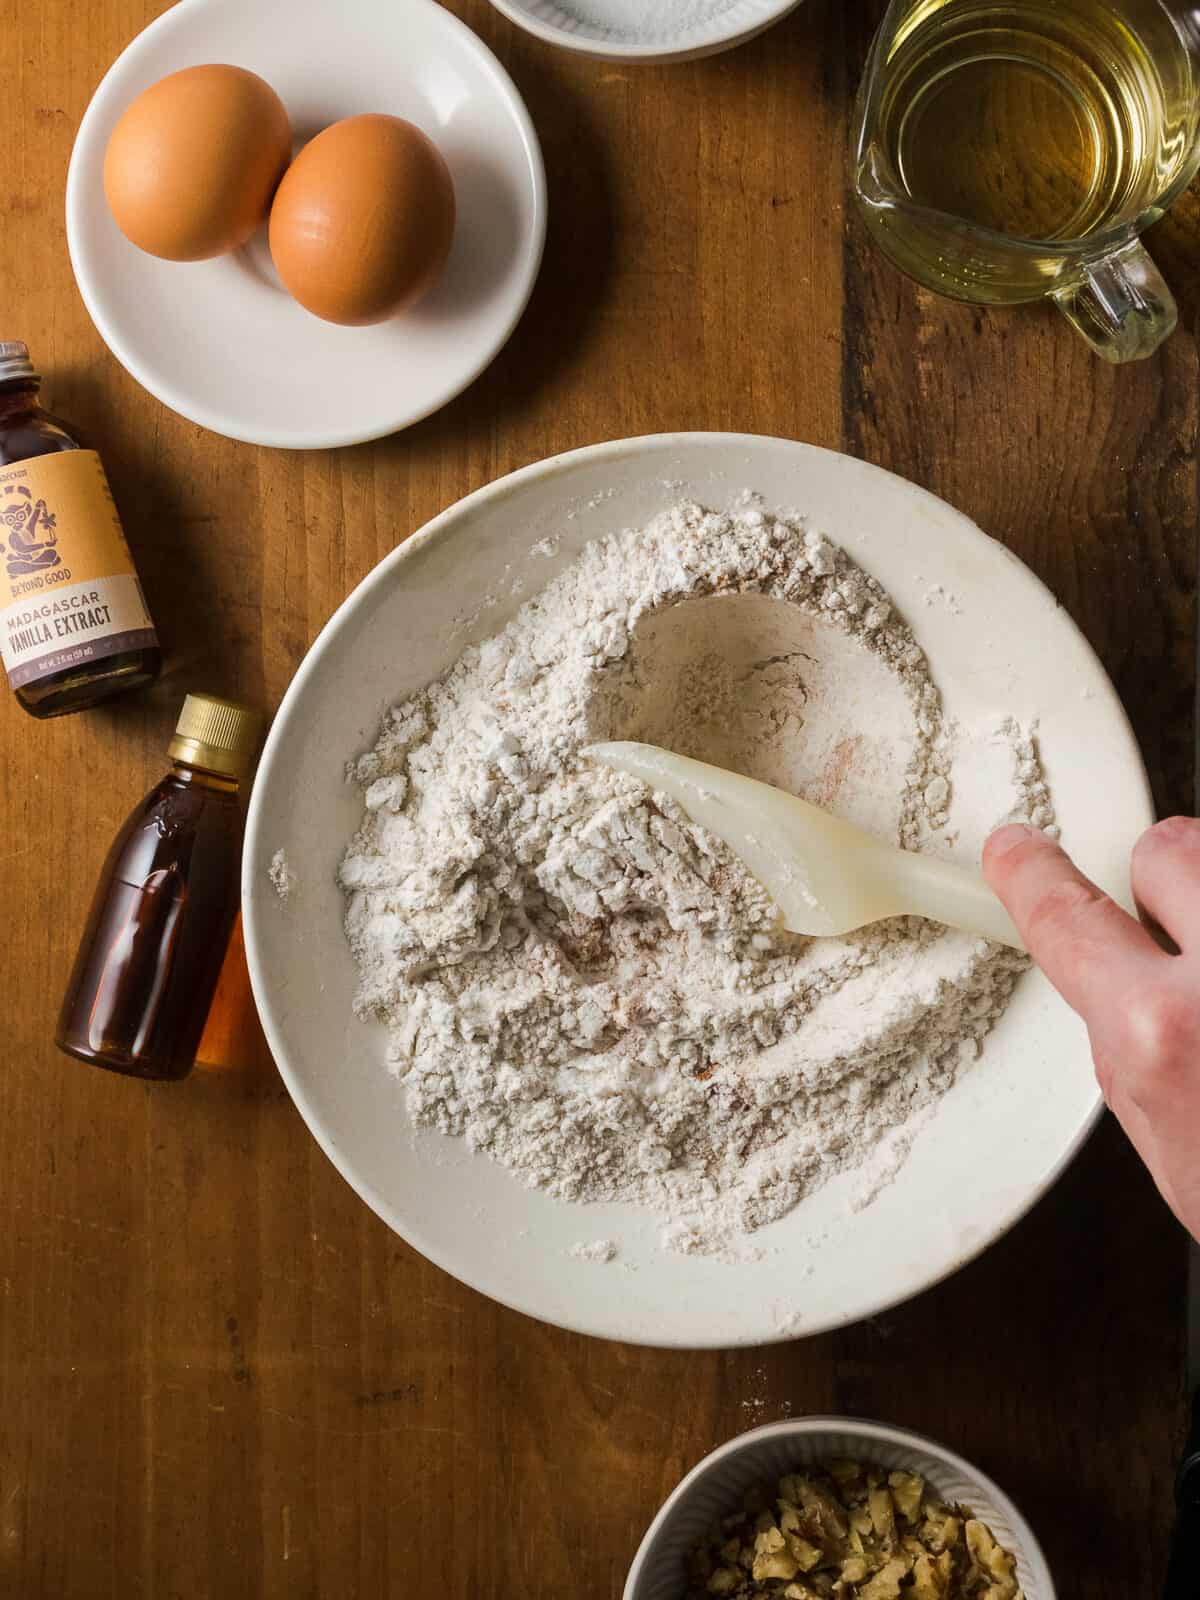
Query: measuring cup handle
1120	305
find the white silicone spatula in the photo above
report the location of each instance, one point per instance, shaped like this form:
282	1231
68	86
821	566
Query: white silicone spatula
826	875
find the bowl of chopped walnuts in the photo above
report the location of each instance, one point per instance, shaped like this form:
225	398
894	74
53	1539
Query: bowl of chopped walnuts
830	1508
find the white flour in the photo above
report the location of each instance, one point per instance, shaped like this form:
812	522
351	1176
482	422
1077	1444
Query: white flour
595	992
640	21
283	879
599	1250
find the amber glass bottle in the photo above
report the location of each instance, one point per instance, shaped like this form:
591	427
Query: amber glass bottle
163	910
74	628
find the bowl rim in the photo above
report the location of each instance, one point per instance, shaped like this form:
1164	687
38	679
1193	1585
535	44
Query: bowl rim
319	436
867	1428
691	45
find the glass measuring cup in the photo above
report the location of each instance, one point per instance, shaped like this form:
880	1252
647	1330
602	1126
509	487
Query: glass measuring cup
1008	150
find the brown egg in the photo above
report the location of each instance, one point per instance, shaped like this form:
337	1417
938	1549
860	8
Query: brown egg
363	220
192	165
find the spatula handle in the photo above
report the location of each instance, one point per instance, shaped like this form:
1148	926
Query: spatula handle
958	897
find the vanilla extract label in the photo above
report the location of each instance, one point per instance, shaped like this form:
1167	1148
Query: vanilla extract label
77	624
69	594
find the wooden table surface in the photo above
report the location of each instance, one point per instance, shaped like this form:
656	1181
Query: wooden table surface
219	1374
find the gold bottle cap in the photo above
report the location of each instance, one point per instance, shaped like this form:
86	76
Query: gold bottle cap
218	735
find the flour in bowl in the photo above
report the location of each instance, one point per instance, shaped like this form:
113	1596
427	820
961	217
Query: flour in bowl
596	993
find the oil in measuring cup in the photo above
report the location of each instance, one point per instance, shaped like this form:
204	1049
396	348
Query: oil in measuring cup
1007	147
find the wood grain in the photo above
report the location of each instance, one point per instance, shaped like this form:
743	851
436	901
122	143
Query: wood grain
219	1374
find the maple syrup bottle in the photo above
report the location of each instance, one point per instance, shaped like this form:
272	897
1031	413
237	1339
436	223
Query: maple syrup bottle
74	628
164	908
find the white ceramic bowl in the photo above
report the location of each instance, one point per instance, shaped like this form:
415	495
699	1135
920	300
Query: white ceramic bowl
996	1141
714	1488
733	23
222	342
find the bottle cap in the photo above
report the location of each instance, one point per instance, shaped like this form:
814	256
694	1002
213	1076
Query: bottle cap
14	360
218	735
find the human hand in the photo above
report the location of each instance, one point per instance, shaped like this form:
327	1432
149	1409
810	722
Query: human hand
1141	1004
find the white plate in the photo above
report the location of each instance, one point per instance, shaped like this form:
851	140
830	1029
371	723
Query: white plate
220	341
736	22
997	1140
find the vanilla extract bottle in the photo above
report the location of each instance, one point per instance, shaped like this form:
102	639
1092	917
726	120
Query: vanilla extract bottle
165	905
74	626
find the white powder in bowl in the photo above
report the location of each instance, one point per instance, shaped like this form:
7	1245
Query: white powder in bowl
283	879
595	992
635	21
599	1250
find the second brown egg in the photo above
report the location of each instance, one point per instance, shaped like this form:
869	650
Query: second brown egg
363	221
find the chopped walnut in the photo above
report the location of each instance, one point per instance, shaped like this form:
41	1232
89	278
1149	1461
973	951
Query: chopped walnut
851	1532
883	1513
724	1581
885	1585
907	1490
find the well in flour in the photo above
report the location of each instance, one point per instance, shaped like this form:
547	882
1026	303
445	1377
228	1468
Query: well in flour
593	991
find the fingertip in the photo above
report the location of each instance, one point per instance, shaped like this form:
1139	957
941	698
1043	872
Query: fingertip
1011	846
1008	838
1175	832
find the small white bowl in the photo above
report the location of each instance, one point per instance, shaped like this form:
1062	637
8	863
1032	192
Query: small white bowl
714	1488
733	23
